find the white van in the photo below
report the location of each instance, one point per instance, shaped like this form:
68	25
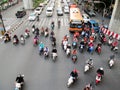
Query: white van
49	11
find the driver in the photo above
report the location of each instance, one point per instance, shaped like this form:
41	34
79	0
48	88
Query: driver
20	79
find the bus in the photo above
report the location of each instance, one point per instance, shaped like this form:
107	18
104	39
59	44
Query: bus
75	19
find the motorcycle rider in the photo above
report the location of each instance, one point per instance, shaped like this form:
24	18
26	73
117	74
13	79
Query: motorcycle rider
52	25
98	47
74	74
7	37
33	29
20	79
54	52
100	71
42	30
114	45
27	33
59	23
41	47
90	62
46	51
53	41
35	39
88	87
22	38
37	31
110	40
46	32
15	38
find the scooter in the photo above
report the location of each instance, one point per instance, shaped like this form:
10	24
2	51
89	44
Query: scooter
35	42
19	86
98	79
46	34
54	56
74	58
68	51
87	67
70	81
27	35
22	41
110	41
15	41
81	47
111	63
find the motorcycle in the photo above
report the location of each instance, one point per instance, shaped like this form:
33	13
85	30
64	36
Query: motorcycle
91	49
87	67
111	63
68	51
19	86
54	56
74	44
98	49
46	34
15	41
98	79
35	42
110	41
70	81
74	58
81	48
33	30
40	50
22	41
46	54
7	39
53	43
27	35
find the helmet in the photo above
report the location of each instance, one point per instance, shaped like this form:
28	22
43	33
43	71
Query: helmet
75	70
19	75
90	59
101	68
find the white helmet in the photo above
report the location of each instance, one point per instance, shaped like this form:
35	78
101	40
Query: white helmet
101	68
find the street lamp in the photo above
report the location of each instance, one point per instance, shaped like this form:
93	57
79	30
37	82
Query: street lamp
104	6
2	22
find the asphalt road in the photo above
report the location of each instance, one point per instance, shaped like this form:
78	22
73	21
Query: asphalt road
43	73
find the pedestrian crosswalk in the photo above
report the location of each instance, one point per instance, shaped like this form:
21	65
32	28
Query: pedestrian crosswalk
47	22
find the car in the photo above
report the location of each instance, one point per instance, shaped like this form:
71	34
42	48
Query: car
91	13
93	24
59	12
38	10
20	13
32	17
66	9
86	18
49	11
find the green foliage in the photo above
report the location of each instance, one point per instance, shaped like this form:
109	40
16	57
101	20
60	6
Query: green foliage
37	2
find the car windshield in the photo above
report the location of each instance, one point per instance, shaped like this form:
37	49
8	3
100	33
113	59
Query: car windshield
32	14
49	10
95	25
37	9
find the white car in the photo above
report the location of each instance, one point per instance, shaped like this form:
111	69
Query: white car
38	10
86	18
32	17
49	11
59	12
66	9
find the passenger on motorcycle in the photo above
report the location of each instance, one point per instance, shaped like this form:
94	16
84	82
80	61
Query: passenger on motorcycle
74	74
33	29
20	79
41	46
